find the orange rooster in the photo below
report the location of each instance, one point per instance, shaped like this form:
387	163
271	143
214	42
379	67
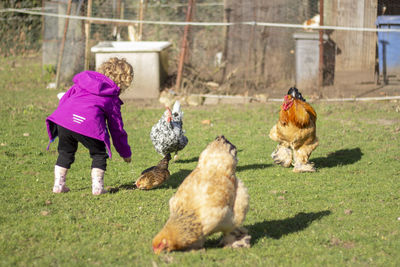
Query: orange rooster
211	199
295	132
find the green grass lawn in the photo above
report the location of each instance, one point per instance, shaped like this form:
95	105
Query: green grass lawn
344	214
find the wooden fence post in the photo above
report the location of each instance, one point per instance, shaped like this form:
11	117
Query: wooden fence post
61	52
87	34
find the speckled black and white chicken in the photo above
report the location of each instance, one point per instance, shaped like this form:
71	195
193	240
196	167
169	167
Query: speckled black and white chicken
167	134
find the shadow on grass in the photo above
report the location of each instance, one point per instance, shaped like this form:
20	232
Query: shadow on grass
278	228
252	167
340	157
274	229
173	182
176	179
130	186
194	159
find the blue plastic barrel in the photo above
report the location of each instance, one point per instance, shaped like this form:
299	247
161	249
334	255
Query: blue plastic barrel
388	47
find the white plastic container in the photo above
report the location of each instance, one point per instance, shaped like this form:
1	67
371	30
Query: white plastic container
307	59
148	59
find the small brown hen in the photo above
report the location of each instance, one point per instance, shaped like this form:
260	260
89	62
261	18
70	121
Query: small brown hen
295	132
211	199
154	176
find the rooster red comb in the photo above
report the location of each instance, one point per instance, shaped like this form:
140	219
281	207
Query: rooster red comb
168	114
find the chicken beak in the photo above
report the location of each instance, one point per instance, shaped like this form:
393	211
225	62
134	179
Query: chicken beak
156	251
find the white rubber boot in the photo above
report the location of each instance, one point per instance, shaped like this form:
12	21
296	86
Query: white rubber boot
98	181
60	175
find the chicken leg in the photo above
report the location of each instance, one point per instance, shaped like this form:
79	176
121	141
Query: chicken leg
301	156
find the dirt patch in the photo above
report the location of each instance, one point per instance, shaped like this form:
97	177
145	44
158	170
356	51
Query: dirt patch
347	84
384	122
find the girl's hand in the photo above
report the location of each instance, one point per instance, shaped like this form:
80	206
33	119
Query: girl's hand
128	160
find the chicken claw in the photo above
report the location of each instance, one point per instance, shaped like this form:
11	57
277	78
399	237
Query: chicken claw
238	238
282	156
308	167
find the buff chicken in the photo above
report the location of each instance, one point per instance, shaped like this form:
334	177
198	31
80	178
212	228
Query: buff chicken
155	175
295	133
210	199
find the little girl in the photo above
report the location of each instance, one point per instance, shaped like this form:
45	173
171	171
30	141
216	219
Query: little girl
85	114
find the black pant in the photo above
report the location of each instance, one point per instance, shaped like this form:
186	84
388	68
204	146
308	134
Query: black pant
68	145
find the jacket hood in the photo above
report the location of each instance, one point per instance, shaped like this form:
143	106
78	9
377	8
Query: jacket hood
96	83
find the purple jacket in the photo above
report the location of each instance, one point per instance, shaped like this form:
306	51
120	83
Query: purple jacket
90	106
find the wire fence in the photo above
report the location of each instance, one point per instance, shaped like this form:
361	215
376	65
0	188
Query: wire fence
232	46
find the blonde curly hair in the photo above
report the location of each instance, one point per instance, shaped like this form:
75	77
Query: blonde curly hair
118	70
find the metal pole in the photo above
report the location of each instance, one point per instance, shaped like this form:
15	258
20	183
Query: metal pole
184	45
87	33
321	46
61	52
